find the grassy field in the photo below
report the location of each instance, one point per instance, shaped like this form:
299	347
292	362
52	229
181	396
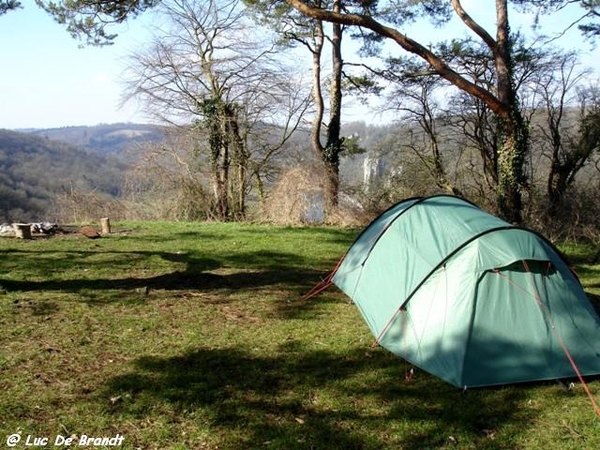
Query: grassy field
195	336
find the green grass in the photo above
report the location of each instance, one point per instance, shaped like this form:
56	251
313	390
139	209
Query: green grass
195	336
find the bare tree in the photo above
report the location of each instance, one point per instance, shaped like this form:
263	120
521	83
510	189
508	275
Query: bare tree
570	133
415	92
473	123
586	21
166	182
295	29
502	99
210	68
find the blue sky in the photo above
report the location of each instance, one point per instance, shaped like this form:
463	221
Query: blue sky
48	81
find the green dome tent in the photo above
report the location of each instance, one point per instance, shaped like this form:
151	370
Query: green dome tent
468	297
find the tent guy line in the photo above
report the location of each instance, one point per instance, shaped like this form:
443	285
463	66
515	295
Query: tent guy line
548	318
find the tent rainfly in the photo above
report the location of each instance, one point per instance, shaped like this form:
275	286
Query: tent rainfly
468	297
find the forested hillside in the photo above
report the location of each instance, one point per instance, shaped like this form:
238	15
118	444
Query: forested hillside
105	138
34	169
131	171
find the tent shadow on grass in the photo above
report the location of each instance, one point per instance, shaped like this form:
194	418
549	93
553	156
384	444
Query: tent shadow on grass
595	300
276	399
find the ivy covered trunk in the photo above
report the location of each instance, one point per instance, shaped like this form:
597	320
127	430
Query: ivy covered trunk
334	144
512	153
332	183
219	161
513	131
229	160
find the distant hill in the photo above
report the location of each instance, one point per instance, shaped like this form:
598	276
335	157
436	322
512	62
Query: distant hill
34	168
104	139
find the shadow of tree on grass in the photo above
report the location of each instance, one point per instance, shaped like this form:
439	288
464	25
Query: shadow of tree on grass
276	400
245	271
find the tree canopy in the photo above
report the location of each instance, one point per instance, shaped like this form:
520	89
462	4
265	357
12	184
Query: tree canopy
7	5
88	19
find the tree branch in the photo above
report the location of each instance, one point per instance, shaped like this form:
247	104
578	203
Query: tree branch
474	26
408	44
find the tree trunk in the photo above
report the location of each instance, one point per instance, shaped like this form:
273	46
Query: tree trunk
514	134
315	135
260	187
222	184
439	173
511	178
568	160
219	147
328	154
333	147
239	160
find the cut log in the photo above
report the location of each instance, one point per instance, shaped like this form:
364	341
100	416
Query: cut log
105	223
22	230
